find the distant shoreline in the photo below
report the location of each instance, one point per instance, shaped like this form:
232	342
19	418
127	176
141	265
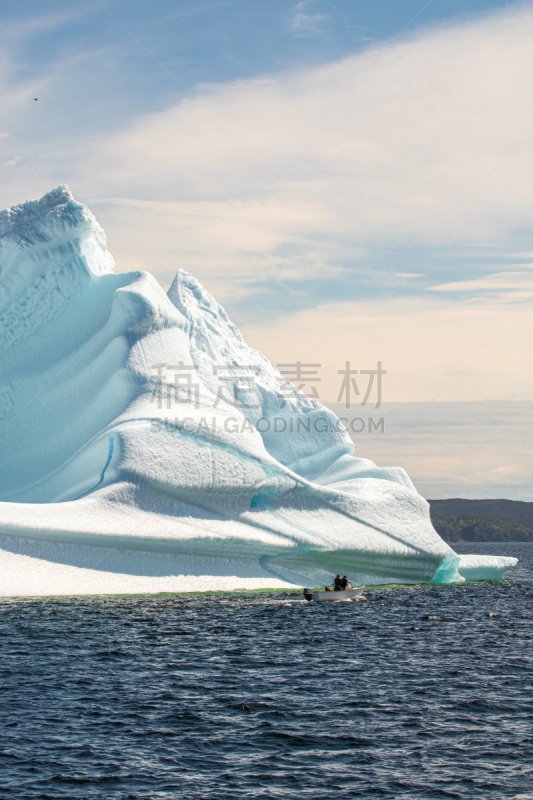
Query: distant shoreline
460	520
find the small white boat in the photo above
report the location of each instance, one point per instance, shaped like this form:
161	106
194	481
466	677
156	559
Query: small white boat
332	596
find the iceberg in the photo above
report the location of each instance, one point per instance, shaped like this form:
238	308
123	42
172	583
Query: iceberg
146	447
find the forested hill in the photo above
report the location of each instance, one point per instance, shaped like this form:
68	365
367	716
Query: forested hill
507	509
458	520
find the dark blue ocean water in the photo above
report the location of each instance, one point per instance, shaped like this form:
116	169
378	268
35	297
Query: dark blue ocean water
264	696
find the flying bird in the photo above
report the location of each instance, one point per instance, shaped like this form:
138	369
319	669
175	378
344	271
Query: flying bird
35	98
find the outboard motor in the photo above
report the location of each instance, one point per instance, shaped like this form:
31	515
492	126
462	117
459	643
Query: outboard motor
308	594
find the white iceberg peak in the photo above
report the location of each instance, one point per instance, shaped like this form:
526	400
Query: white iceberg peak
138	426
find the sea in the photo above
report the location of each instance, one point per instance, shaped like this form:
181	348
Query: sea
415	692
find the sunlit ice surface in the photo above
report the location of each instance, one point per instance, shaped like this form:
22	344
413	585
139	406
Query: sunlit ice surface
147	448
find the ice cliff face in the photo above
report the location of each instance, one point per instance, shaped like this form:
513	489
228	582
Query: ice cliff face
141	421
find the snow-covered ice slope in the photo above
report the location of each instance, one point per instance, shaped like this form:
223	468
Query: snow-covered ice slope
145	445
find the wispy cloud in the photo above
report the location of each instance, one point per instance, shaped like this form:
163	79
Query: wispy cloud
435	348
522	256
306	22
430	143
11	162
454	449
15	30
503	286
335	175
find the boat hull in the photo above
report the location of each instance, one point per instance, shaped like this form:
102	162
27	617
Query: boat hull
334	597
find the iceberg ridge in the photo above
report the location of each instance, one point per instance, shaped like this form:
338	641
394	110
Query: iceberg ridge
146	445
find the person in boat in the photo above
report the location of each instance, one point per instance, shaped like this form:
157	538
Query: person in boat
344	583
338	584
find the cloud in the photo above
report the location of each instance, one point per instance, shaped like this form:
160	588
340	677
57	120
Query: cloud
433	349
12	162
16	30
383	173
521	256
453	449
505	286
305	23
428	143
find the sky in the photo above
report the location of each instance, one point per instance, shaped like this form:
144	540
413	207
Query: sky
351	180
455	449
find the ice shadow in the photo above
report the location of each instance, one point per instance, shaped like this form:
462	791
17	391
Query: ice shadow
131	561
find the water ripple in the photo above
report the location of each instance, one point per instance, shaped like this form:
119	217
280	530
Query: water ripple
417	693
